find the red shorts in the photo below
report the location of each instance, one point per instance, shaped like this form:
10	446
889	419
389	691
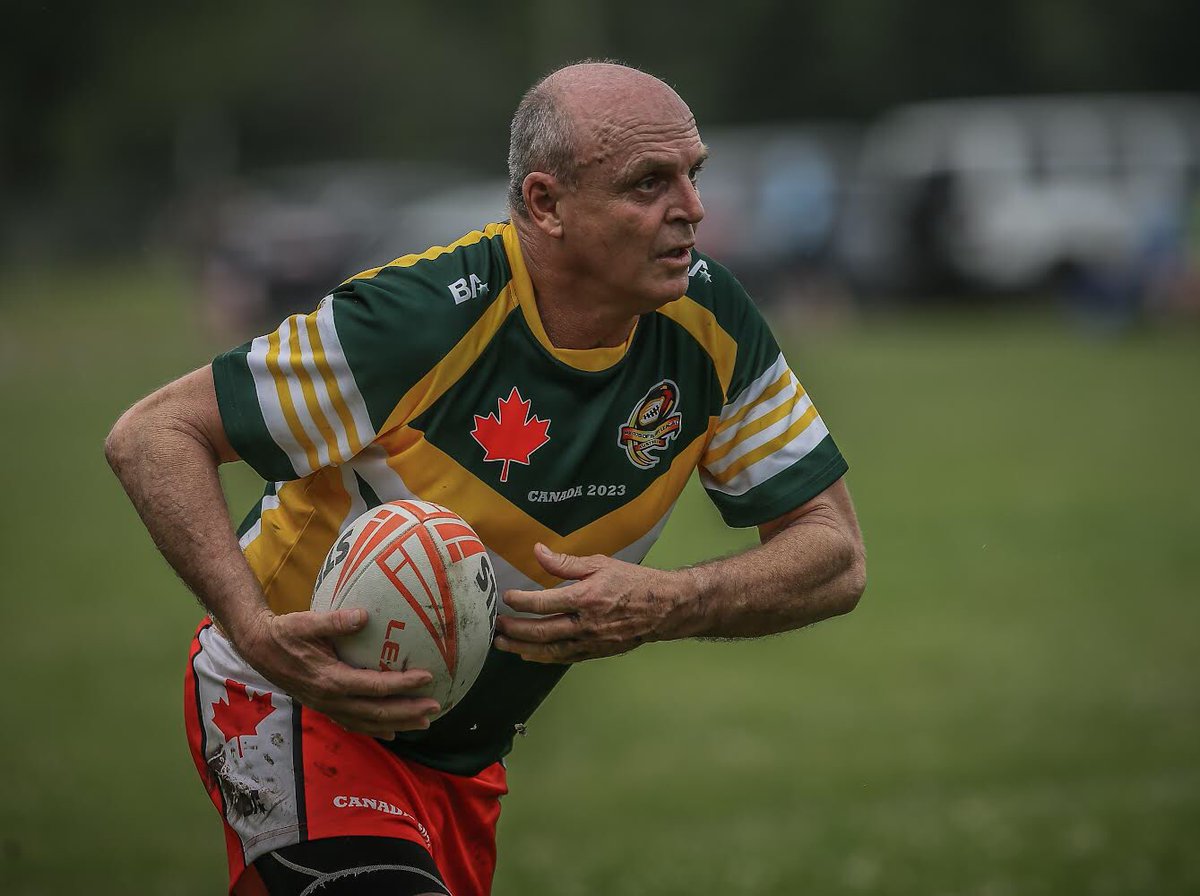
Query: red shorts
280	773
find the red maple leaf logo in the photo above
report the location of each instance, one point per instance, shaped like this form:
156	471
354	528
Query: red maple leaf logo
512	434
242	713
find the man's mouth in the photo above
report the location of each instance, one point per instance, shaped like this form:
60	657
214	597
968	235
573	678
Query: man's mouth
680	254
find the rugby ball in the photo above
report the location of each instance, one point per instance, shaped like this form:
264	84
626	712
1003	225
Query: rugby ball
429	590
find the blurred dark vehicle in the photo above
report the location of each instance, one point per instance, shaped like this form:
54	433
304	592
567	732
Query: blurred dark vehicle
773	197
979	196
275	244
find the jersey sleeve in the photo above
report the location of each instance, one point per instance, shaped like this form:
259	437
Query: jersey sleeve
290	401
320	389
770	451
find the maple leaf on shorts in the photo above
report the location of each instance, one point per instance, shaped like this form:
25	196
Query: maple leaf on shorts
511	434
241	715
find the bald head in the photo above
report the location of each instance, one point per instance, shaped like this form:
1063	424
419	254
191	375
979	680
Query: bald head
601	83
569	119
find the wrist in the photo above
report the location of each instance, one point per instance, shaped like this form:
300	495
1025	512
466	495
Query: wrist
247	629
690	602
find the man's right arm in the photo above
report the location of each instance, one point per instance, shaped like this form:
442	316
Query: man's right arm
166	450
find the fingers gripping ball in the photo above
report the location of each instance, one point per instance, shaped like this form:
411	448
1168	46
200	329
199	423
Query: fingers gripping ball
429	590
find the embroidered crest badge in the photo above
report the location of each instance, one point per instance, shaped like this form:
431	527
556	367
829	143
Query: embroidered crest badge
654	422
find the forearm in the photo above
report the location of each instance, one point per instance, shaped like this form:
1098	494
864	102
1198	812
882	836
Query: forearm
165	450
169	471
810	567
811	570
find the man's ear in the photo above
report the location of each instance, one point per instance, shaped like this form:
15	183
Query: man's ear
542	192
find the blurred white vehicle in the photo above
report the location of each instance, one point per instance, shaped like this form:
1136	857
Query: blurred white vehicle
1007	194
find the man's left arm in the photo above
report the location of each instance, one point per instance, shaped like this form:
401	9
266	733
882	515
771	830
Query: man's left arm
810	566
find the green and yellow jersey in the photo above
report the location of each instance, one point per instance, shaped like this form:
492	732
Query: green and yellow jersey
432	378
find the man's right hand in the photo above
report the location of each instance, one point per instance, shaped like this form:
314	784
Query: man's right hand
295	652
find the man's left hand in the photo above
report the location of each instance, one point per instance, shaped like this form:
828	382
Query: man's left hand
610	607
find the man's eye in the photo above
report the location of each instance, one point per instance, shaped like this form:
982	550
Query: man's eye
648	183
694	174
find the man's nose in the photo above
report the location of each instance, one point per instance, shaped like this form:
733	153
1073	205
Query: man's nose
687	206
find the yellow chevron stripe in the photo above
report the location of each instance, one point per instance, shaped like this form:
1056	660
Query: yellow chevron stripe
406	261
432	475
756	426
703	327
753	457
456	362
285	399
626	524
770	392
331	389
308	390
506	529
295	538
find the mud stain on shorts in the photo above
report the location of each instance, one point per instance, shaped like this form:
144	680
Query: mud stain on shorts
239	796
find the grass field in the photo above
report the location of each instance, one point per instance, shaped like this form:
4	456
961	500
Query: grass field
1013	709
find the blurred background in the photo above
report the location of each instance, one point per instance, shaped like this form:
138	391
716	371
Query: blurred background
976	229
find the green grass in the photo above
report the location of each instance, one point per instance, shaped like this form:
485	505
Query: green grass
1013	709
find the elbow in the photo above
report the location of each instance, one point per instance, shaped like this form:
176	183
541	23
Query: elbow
158	430
853	580
856	579
118	445
132	436
170	427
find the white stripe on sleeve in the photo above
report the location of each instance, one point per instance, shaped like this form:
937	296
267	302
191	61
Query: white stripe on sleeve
783	396
754	391
761	438
335	358
289	336
339	451
267	391
762	470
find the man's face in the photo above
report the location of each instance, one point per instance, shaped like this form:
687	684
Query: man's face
630	223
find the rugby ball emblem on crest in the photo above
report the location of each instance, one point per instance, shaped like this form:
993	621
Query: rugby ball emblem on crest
654	422
429	590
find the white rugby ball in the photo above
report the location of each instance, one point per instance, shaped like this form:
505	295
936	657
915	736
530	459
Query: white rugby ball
429	590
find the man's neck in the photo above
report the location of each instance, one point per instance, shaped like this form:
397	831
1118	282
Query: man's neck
571	327
571	320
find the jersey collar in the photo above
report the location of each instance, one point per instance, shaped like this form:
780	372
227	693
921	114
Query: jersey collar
521	290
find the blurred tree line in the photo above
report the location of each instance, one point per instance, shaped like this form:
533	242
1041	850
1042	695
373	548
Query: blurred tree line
108	108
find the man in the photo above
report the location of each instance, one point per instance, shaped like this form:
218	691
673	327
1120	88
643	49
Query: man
554	380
